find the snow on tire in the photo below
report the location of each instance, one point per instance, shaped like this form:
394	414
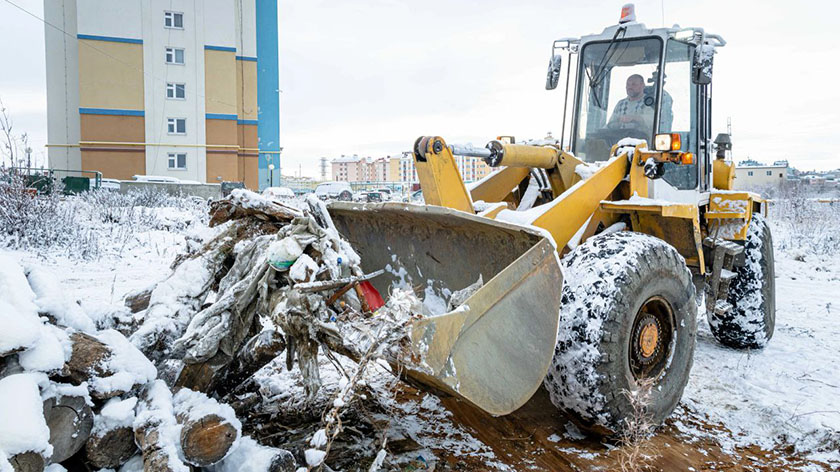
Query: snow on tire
752	294
628	312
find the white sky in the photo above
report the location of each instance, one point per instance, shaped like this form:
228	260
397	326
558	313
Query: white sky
370	76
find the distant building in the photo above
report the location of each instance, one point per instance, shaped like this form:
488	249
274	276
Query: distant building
755	175
471	168
172	88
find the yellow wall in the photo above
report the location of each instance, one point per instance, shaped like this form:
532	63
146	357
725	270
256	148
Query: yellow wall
394	170
110	75
115	163
246	74
220	74
109	128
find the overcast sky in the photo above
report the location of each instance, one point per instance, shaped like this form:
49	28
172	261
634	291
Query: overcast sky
369	77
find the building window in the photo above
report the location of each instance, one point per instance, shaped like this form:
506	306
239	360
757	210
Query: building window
178	160
175	91
780	176
175	56
172	19
177	125
749	173
770	172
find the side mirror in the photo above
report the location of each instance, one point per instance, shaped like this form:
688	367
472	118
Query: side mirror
701	73
553	76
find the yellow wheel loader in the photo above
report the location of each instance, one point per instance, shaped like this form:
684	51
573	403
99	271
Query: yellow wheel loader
634	202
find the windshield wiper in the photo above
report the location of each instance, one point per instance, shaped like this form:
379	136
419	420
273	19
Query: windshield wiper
600	73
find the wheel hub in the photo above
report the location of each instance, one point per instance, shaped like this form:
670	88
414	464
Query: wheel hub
650	340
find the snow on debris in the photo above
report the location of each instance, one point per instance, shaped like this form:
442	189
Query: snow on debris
18	311
129	367
248	456
115	414
50	298
22	424
50	351
158	410
196	405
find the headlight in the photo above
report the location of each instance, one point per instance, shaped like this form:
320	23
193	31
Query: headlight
667	142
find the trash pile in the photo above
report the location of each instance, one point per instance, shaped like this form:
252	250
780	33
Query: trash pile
179	378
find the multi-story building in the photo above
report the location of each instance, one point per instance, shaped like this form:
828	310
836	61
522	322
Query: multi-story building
755	176
471	168
164	87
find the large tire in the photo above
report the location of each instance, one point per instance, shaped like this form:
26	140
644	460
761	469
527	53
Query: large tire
752	294
614	284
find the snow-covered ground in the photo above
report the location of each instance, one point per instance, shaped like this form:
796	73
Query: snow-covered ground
787	394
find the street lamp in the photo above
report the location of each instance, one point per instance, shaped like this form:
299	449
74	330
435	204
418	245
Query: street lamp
271	174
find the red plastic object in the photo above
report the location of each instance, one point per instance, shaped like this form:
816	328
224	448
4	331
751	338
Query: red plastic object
372	296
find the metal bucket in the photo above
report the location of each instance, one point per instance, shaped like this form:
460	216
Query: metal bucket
494	350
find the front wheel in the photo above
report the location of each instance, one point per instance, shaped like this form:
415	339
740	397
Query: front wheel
628	314
752	294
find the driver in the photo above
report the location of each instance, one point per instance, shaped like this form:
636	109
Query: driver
631	112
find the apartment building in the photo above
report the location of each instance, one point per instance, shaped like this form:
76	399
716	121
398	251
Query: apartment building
471	168
755	176
164	87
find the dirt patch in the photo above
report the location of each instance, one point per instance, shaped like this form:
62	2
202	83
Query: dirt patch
540	437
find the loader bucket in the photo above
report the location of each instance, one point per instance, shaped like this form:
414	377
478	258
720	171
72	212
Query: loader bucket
492	351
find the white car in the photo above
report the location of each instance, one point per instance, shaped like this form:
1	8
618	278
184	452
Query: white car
278	193
334	190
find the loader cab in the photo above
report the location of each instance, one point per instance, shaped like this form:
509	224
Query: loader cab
633	82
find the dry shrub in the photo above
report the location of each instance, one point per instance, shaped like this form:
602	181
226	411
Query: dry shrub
637	452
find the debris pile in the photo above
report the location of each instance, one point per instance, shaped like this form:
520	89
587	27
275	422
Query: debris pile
176	379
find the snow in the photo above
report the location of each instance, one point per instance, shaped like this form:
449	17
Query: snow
52	299
49	353
314	457
158	410
18	312
22	424
115	414
319	439
304	269
248	456
127	364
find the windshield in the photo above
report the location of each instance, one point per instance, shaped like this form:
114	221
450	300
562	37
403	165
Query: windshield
617	95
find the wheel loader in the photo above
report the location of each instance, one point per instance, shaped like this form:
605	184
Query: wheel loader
589	256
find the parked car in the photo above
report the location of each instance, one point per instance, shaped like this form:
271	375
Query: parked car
386	193
278	193
334	190
374	196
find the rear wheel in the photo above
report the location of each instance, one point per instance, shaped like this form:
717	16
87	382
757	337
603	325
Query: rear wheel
628	314
752	294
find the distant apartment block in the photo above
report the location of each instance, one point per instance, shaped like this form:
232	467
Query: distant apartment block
471	168
754	175
398	169
164	87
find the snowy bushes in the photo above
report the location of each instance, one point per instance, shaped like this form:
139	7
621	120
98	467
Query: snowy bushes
802	224
90	225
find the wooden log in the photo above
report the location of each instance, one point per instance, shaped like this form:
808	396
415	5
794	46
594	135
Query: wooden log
208	429
70	420
138	301
110	449
155	418
86	358
207	440
27	462
254	354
